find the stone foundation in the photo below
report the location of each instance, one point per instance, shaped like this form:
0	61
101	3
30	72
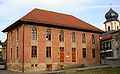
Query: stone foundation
33	67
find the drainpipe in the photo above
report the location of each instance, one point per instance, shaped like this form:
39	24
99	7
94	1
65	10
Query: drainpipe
23	49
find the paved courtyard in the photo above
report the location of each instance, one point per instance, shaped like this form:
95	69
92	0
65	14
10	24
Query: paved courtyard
58	72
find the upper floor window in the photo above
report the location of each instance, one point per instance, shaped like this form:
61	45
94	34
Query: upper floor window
17	34
108	28
93	38
34	33
48	34
61	36
11	37
83	38
73	37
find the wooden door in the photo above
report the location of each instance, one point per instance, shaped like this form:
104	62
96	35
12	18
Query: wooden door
73	55
62	55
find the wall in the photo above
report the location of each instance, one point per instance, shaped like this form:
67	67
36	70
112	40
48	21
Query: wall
41	43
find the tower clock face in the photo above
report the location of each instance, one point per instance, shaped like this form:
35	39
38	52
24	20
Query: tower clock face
112	14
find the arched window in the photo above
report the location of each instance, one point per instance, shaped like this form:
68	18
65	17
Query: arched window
93	38
73	37
48	34
108	28
34	33
83	38
61	36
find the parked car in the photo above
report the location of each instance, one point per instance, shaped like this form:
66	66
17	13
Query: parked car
2	64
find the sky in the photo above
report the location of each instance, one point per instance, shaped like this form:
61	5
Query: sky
91	11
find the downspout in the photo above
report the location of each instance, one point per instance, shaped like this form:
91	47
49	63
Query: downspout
23	49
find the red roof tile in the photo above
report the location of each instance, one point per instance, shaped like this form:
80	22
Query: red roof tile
49	17
106	37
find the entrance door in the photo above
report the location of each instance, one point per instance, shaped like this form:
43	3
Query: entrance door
61	54
73	55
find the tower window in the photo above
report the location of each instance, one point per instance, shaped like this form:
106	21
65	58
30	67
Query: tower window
108	28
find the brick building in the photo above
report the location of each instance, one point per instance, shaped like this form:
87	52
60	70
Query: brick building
46	40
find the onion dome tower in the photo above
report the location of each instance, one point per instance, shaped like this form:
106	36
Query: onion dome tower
112	22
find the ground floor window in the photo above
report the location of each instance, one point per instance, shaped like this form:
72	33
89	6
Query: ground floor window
84	52
48	52
93	53
34	51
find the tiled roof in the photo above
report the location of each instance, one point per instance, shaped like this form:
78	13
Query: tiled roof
106	37
54	18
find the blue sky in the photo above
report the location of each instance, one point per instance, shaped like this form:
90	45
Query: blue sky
91	11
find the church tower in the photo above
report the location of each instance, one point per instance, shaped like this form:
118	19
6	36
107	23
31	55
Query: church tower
112	22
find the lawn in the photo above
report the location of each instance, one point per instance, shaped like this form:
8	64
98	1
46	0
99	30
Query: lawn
115	70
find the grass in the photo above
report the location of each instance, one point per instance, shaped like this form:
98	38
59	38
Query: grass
115	70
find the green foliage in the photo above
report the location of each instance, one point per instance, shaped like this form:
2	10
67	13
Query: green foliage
115	70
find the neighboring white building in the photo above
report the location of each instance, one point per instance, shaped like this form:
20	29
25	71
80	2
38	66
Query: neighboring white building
110	40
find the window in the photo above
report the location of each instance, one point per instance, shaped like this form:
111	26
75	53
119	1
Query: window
83	38
17	52
108	28
109	45
48	34
34	33
73	37
48	52
11	53
93	53
17	34
84	52
93	38
11	37
34	51
61	36
117	27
